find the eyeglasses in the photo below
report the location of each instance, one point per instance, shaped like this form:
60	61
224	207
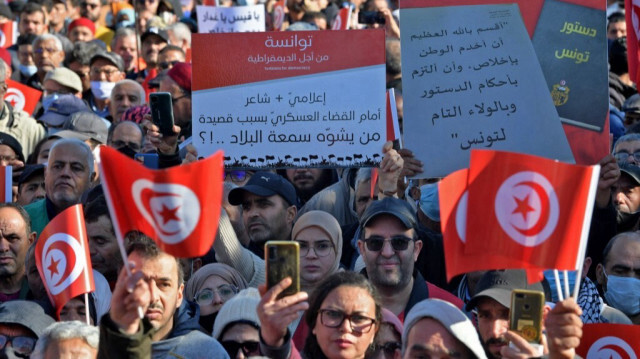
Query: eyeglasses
166	64
82	74
48	50
398	243
321	248
21	345
176	99
334	318
7	158
622	156
248	348
389	350
132	145
225	291
237	176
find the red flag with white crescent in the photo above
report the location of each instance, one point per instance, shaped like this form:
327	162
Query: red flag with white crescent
7	34
529	208
342	20
62	257
178	207
278	15
6	183
453	197
22	97
632	17
609	341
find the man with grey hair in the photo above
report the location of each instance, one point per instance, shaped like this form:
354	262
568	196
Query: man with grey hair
124	44
126	94
67	340
18	123
67	176
626	149
180	35
48	54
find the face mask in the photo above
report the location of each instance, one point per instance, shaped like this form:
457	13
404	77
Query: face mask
206	321
28	70
48	100
102	89
623	293
127	151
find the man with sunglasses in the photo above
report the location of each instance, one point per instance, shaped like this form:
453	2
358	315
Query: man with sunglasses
389	247
21	324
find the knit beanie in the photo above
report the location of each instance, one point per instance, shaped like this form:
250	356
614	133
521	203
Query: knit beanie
241	308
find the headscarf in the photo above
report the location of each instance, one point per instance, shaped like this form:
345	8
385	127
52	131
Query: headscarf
229	274
328	224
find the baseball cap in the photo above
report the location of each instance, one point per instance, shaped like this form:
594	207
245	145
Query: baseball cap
28	314
264	184
61	109
155	31
392	206
29	171
498	285
65	77
632	104
112	57
630	170
83	126
429	203
456	323
8	140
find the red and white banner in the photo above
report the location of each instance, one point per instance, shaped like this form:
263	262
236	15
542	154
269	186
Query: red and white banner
342	20
453	196
22	97
291	99
8	34
178	207
528	207
62	257
609	341
6	183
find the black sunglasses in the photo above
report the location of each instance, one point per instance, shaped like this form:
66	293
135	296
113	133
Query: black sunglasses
398	243
248	347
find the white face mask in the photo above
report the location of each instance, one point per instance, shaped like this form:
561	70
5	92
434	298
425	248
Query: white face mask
623	293
102	89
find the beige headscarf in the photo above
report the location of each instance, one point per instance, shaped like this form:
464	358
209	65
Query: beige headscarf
229	274
328	224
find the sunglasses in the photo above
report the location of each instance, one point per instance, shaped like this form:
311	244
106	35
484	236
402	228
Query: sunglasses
21	345
388	349
248	348
398	243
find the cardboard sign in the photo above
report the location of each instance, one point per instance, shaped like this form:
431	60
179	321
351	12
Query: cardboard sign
290	99
216	19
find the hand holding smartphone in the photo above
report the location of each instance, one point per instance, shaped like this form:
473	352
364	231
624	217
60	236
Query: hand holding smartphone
525	316
161	106
282	259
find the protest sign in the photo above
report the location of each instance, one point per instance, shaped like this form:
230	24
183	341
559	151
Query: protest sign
290	99
474	83
217	19
588	146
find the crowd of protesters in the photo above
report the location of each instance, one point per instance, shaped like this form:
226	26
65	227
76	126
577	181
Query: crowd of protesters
372	264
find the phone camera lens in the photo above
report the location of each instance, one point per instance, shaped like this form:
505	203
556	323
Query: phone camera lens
527	307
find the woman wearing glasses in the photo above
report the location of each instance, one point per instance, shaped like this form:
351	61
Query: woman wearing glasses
343	314
211	286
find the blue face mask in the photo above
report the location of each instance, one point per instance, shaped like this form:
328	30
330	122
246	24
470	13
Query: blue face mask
623	293
48	100
27	70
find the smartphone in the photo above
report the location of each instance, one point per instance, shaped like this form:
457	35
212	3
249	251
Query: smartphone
149	160
371	17
162	112
525	316
283	260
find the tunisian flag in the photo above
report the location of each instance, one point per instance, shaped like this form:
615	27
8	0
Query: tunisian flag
453	195
21	97
178	207
7	34
6	182
609	341
632	17
530	208
62	257
342	20
279	10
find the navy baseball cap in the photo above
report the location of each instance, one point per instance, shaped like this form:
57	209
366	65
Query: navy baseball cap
61	109
398	208
265	184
